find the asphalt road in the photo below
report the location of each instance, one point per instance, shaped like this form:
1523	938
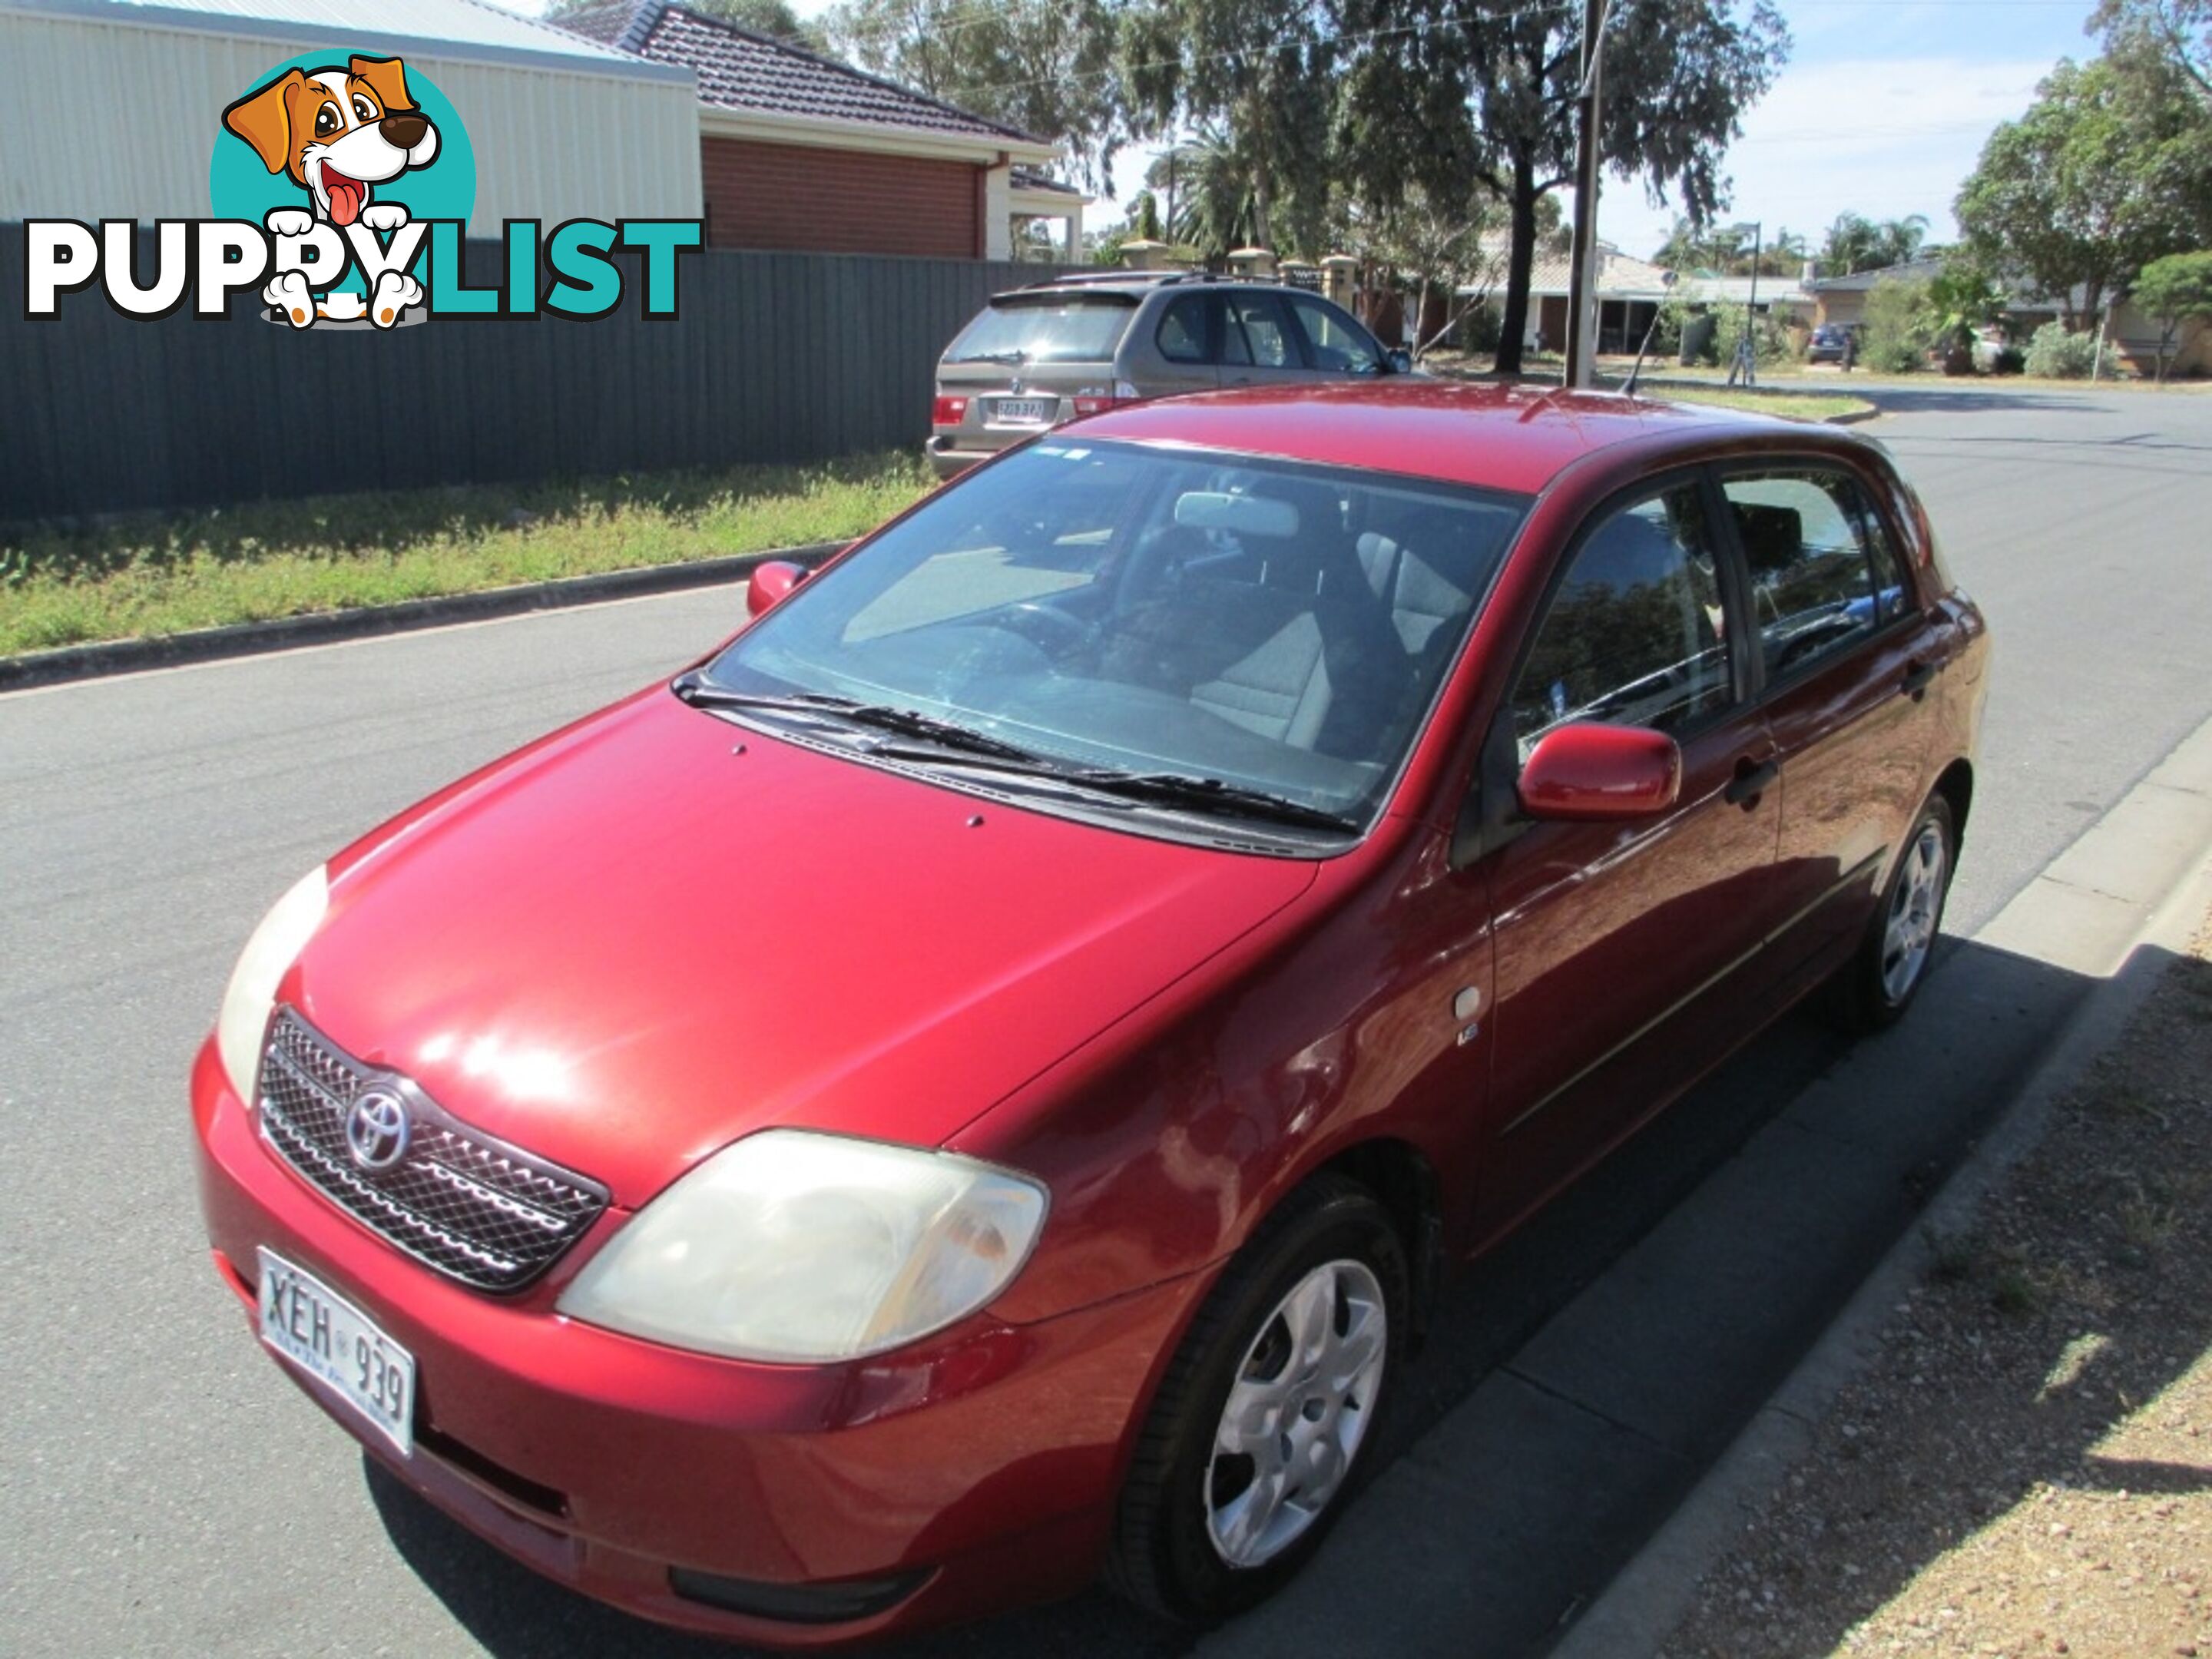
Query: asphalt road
163	1490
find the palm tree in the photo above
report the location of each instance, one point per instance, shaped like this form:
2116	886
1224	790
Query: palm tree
1208	189
1901	238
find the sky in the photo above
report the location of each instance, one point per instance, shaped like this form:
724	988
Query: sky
1881	109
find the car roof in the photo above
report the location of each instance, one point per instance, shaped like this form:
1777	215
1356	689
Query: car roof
1510	437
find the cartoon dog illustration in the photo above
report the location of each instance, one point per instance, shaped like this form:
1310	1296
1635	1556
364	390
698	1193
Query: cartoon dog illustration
339	133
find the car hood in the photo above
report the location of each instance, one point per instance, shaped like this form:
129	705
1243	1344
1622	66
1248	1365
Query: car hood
629	944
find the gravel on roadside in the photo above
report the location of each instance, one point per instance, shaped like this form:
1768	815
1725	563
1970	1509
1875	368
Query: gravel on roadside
2024	1466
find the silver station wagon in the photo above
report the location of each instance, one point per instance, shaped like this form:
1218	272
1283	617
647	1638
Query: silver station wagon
1039	355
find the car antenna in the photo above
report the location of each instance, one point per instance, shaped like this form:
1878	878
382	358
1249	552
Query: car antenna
1665	280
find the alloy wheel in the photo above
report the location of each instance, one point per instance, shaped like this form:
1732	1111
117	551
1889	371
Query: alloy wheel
1302	1400
1914	910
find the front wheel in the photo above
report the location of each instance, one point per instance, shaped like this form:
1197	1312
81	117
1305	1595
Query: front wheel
1876	985
1251	1444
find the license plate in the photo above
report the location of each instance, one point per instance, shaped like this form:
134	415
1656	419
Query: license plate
1026	412
315	1328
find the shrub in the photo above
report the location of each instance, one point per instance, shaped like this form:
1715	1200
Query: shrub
2009	359
1899	320
1666	337
1478	330
1696	345
2057	354
1770	339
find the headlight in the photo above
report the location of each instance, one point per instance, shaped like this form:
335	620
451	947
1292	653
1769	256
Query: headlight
793	1246
277	943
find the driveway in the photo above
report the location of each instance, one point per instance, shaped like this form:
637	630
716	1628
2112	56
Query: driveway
163	1490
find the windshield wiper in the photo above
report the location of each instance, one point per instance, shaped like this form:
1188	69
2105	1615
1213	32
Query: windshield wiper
884	717
1209	795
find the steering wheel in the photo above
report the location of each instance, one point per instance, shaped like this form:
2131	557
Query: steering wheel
1066	633
1813	639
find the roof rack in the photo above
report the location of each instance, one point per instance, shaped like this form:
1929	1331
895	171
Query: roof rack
1161	277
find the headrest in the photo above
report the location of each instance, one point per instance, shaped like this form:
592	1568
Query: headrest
1773	537
1628	552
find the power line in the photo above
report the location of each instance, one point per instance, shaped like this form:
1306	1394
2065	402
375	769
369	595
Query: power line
1555	8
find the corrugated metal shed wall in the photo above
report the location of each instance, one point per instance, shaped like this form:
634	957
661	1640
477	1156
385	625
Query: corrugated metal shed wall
105	120
773	357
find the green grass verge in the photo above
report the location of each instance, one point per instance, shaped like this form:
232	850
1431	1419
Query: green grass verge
156	574
1806	405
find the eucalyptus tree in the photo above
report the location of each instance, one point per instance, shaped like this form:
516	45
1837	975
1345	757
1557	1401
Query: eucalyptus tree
2110	168
2175	32
1436	92
1256	75
1045	67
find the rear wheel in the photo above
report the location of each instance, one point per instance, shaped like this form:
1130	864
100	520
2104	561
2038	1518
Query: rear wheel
1878	984
1253	1439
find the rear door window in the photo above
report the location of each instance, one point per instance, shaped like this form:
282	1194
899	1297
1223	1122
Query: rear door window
1823	574
1045	328
1182	334
1260	333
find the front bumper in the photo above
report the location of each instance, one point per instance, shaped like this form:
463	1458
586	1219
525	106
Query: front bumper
968	1473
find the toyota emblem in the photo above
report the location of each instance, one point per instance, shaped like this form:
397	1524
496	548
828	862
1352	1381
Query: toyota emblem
376	1129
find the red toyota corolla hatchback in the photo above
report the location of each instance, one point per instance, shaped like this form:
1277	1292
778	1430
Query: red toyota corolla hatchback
975	1081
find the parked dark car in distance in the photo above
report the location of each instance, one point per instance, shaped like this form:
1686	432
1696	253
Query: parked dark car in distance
1830	343
974	1082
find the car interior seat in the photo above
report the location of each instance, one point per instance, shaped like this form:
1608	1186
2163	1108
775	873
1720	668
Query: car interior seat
1773	537
1416	564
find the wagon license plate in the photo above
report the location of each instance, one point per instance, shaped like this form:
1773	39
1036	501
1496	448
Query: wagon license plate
1025	412
313	1328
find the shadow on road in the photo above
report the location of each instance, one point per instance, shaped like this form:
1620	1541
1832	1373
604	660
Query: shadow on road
1939	399
1551	1537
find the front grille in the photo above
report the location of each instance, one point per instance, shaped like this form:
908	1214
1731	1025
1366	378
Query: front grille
458	1200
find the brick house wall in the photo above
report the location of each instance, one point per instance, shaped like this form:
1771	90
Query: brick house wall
798	196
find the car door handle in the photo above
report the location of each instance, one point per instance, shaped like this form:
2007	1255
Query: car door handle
1918	676
1751	780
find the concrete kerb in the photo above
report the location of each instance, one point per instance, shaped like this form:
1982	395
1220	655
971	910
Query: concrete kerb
2131	891
77	662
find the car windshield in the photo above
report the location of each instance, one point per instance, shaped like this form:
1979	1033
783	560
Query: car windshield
1045	328
1123	612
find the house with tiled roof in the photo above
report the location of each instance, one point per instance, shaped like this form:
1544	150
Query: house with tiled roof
801	152
1629	292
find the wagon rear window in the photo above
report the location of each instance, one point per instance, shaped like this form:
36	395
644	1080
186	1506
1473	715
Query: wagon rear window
1057	328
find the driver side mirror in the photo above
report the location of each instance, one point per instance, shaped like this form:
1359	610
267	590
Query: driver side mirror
1587	772
770	582
1400	359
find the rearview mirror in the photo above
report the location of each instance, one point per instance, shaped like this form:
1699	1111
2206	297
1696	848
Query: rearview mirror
1592	773
771	582
1242	515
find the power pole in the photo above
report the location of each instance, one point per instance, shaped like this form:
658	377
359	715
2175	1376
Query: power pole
1582	281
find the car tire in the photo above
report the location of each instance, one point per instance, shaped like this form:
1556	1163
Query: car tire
1220	1510
1874	989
